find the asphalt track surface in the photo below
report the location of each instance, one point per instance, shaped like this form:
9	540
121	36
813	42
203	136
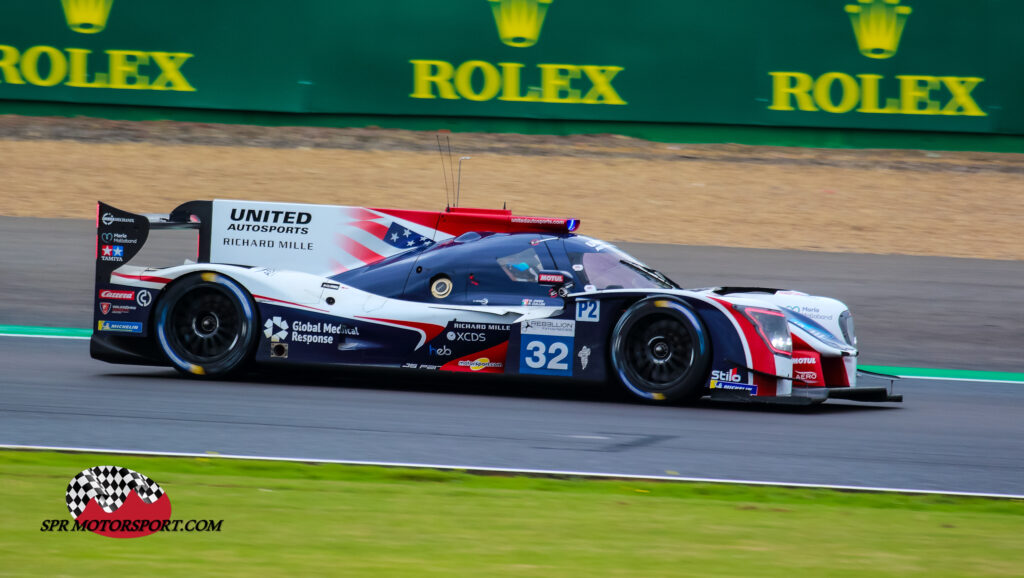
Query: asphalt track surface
954	436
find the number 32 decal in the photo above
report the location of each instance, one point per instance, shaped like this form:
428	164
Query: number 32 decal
540	352
546	355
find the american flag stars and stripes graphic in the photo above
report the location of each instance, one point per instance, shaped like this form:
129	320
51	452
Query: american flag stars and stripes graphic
113	250
370	237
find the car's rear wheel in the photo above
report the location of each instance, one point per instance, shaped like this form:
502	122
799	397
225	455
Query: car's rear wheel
205	325
661	351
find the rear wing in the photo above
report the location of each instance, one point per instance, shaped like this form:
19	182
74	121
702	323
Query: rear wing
318	239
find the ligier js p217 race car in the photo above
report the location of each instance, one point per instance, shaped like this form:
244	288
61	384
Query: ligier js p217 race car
461	290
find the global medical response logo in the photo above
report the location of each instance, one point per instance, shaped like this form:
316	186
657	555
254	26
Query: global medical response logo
117	502
878	27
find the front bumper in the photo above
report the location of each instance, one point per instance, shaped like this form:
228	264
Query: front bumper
813	395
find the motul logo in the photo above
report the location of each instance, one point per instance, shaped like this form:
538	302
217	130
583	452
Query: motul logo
109	294
551	278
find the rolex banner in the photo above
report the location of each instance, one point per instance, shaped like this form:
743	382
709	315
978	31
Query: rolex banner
937	65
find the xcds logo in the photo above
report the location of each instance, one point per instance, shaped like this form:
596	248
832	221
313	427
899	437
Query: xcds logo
466	336
442	351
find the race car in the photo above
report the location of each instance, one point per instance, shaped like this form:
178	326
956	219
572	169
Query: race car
458	290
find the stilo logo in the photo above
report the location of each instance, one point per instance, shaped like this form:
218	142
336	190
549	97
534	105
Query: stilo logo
87	16
878	26
732	375
519	21
276	329
105	307
117	502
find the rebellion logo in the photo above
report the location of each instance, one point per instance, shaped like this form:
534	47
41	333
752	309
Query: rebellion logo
877	29
519	24
82	68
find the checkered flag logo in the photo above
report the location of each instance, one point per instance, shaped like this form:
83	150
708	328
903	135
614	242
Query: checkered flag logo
110	487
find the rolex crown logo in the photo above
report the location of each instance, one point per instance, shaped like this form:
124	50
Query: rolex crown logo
878	25
87	16
519	21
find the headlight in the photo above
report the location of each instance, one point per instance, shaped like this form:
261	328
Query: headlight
846	326
772	326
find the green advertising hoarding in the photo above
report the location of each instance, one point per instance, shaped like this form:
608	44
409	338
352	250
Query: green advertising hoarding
931	65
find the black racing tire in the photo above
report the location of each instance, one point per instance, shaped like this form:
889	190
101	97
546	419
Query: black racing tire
661	351
206	325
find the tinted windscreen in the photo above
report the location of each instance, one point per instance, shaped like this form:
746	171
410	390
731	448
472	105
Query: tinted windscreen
610	270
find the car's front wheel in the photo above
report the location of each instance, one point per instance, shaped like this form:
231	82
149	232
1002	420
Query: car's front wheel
661	351
205	325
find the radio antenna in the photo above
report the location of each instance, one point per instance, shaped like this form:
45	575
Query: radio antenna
444	173
458	187
451	164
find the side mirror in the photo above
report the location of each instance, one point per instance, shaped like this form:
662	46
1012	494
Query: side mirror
559	281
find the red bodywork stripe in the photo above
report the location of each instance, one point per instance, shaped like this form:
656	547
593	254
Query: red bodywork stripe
761	356
356	250
429	330
143	278
371	227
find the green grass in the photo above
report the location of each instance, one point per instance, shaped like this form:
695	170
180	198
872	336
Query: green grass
297	519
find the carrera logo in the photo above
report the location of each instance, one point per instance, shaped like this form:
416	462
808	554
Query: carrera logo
731	376
111	294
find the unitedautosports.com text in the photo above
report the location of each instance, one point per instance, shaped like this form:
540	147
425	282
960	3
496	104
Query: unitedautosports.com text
131	526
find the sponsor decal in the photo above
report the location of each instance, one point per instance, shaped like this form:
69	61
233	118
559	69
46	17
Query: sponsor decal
268	221
442	351
119	69
118	502
119	238
266	243
120	326
730	376
577	267
319	332
804	360
409	365
331	286
117	294
727	385
558	327
483	301
480	363
534	302
116	309
112	253
105	307
810	312
519	24
424	366
466	336
551	278
144	298
588	310
806	375
480	326
109	219
584	356
877	29
276	329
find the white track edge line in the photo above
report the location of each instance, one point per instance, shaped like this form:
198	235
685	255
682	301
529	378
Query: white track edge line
977	380
595	475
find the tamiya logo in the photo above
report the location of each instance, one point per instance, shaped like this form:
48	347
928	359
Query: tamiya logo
110	294
276	329
110	219
112	253
732	375
440	351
